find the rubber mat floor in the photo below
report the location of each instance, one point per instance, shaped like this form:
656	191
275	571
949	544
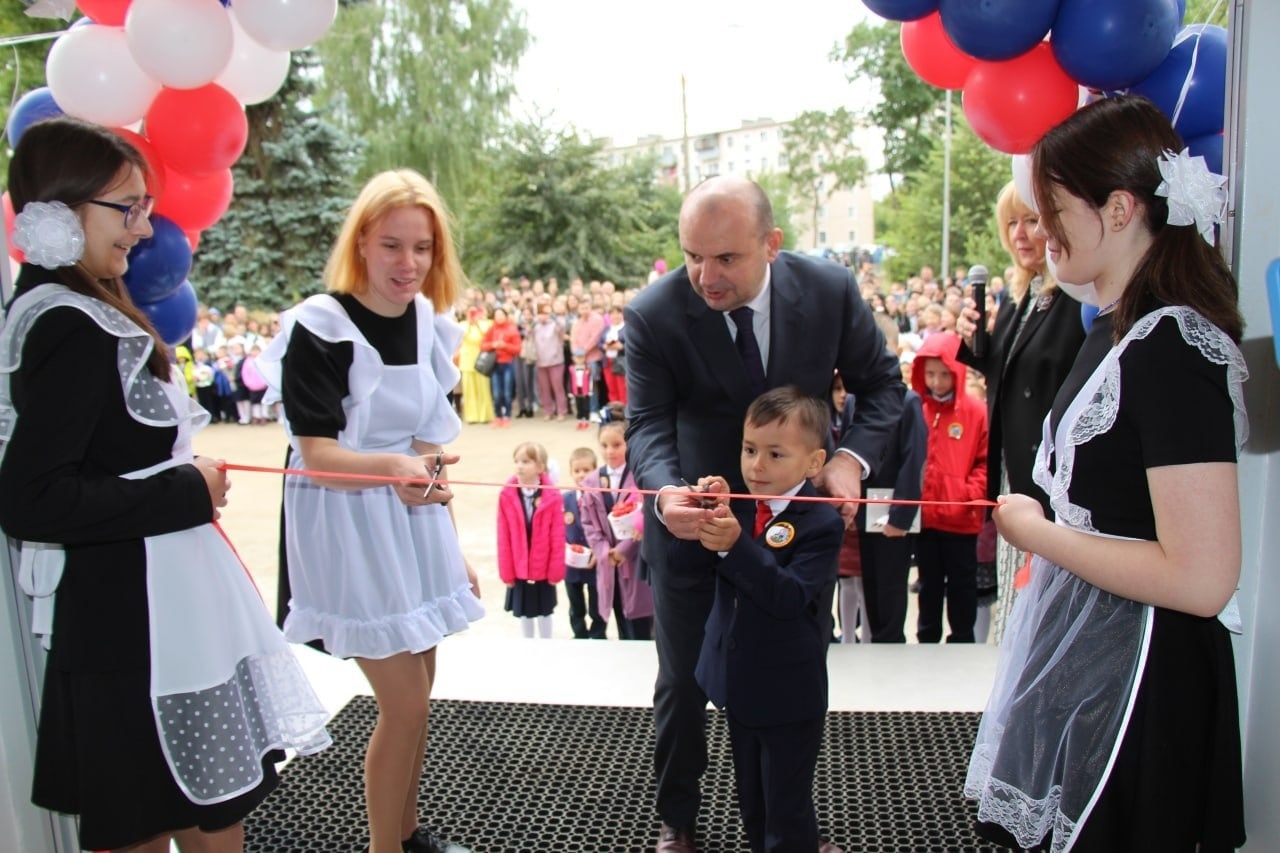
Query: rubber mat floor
525	778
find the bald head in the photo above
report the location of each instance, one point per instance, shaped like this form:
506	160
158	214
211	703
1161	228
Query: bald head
720	194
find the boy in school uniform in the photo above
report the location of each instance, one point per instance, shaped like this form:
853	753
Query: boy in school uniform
580	582
764	653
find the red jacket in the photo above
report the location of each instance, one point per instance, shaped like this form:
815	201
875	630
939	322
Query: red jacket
504	339
955	468
522	557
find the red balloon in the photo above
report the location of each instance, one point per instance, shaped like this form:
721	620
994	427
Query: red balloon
14	251
197	131
155	180
194	202
109	13
1011	104
931	53
193	238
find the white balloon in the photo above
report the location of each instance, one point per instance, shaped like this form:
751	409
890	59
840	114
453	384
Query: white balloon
285	24
255	73
94	76
1022	181
185	44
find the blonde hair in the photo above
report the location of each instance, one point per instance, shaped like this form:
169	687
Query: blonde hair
533	450
582	453
1009	205
345	270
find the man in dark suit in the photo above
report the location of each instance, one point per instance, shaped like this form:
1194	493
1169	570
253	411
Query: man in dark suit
692	370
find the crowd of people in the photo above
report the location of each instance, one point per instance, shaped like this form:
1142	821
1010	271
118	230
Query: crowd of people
750	388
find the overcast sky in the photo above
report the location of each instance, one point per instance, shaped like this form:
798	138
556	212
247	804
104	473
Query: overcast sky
613	69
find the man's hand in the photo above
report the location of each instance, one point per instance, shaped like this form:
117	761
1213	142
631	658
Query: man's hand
720	531
841	477
683	512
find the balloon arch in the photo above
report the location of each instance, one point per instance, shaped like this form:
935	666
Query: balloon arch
173	78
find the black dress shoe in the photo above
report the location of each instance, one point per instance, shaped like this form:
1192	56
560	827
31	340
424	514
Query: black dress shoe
424	840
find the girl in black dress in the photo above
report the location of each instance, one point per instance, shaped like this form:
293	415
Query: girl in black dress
1113	722
167	691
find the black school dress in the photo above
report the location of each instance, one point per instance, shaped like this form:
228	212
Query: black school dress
1174	783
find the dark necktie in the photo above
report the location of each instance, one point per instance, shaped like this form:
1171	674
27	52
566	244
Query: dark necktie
749	349
763	517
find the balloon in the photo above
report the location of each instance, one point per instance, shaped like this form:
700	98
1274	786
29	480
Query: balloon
287	24
255	73
195	202
1022	183
174	316
182	43
193	239
1103	44
197	131
14	251
109	13
932	54
997	29
1209	147
1198	62
32	107
156	178
1011	104
93	76
159	263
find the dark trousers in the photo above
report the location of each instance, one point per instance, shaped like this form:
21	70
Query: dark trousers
886	563
582	406
640	628
681	606
584	606
773	771
948	565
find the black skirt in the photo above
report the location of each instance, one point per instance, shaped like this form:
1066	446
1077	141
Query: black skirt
98	756
528	599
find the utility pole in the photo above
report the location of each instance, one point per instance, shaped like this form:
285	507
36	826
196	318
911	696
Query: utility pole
684	117
946	195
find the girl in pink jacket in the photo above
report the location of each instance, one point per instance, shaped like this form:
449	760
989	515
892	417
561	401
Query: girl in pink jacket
531	540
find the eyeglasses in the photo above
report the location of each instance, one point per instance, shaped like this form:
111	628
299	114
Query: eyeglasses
131	211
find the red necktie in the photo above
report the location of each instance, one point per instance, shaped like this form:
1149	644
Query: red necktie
763	516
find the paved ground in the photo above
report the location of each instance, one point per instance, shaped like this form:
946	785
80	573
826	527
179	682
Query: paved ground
252	517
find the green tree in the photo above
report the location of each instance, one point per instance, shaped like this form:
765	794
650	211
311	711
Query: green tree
905	107
553	208
821	157
21	65
425	83
1206	12
912	216
293	186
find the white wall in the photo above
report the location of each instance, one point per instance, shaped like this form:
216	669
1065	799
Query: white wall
1253	145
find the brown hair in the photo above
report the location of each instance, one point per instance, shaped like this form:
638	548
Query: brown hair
780	405
1114	144
613	416
533	450
582	453
72	161
345	270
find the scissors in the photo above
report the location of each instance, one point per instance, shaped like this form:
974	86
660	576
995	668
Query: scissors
704	503
435	475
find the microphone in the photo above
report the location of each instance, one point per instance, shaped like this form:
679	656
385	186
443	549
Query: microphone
978	279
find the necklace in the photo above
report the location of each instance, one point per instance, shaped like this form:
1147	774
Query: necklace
1108	308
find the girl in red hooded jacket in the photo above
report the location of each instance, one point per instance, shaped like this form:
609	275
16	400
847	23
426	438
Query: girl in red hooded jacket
955	469
531	540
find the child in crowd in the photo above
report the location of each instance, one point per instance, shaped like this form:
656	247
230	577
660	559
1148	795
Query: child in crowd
852	602
955	470
256	385
580	581
580	388
764	655
202	373
531	535
615	362
618	579
886	545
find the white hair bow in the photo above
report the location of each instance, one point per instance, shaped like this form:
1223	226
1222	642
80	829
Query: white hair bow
1196	195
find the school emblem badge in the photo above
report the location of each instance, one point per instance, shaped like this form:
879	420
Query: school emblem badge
955	430
568	516
779	535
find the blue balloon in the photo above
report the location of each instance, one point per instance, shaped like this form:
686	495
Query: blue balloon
1199	60
159	264
1182	10
36	105
1209	147
996	30
174	316
1087	315
1102	44
902	10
